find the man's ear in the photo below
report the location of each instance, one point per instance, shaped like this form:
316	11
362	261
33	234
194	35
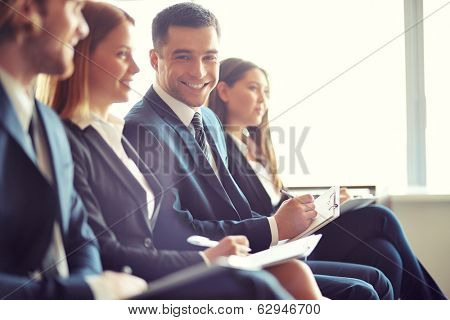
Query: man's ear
154	59
28	17
222	91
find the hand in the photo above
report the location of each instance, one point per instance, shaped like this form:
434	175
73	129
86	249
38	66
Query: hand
344	195
119	285
294	216
231	245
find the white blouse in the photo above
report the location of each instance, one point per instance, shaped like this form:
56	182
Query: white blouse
111	131
261	171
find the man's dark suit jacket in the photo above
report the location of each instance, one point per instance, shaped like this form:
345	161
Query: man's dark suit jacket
117	207
211	207
248	181
29	205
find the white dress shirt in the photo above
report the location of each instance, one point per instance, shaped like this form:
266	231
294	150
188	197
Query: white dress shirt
21	100
111	131
186	114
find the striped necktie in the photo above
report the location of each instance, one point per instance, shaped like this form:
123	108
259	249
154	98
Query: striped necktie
199	132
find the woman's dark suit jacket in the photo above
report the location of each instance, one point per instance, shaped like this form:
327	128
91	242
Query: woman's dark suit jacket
117	207
248	181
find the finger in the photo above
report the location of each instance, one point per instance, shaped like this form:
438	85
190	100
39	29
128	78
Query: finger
306	198
142	283
311	214
308	207
242	250
243	247
344	198
242	240
344	192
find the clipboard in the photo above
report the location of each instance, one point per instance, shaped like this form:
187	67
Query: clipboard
328	209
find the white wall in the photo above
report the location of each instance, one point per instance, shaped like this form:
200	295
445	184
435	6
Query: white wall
426	220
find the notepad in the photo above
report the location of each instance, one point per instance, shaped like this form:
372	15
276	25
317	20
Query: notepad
328	209
356	203
300	248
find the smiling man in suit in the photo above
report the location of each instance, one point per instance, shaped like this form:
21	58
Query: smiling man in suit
183	143
47	250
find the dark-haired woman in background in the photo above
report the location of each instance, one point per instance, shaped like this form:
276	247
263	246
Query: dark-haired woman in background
371	236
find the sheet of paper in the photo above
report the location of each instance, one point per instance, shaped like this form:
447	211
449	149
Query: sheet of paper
277	254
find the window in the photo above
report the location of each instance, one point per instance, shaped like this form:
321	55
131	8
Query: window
437	79
357	127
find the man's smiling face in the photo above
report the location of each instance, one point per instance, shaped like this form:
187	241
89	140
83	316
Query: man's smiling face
187	66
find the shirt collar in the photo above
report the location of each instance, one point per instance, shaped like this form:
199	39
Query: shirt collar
88	120
182	110
21	100
239	144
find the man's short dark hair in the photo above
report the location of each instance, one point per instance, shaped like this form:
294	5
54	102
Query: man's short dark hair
7	12
186	14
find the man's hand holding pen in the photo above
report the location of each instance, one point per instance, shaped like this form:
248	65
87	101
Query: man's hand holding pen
294	216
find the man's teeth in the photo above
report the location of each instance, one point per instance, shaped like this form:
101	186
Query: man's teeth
195	86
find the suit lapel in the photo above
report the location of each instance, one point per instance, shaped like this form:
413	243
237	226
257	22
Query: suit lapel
233	191
255	183
117	167
152	181
196	153
258	188
9	120
55	163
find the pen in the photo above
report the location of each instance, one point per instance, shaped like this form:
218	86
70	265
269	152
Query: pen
287	194
290	196
204	242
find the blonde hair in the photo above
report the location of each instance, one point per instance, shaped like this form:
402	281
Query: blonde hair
69	97
231	71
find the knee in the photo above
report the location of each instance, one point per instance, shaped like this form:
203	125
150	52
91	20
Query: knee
291	272
303	271
381	284
386	215
361	290
386	251
381	211
293	267
302	267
